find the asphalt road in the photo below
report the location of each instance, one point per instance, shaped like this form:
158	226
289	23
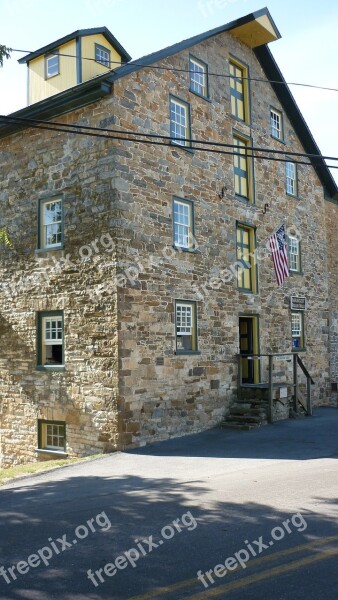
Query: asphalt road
256	511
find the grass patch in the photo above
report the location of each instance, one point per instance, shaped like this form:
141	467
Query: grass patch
7	475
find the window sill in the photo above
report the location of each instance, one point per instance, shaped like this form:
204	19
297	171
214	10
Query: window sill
281	140
296	350
51	249
247	292
238	120
186	148
53	368
186	352
244	199
51	76
60	453
206	98
292	195
296	272
189	250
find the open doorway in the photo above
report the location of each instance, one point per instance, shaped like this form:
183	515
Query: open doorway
249	344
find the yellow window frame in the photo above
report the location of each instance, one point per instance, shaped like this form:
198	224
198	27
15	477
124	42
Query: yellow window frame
239	90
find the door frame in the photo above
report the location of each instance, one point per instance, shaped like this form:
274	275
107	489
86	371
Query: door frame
255	342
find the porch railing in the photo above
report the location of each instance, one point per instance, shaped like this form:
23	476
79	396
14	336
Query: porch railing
270	384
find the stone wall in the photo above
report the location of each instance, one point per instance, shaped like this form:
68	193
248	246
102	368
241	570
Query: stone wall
332	216
123	384
162	394
78	280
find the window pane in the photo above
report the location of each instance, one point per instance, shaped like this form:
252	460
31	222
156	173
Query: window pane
178	122
52	223
52	65
182	224
237	91
197	78
291	178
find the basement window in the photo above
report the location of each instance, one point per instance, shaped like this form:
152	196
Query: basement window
52	435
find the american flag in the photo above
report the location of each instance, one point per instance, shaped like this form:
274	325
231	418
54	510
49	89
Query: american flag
277	243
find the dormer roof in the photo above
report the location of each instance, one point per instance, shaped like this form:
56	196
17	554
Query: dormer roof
125	57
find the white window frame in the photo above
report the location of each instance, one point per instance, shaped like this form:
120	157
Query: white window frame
276	123
198	77
51	57
291	178
179	122
46	228
55	435
297	332
294	253
183	232
186	324
49	341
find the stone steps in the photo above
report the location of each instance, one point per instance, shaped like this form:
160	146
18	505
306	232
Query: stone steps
246	415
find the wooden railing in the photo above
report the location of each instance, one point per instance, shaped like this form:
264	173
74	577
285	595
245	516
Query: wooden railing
270	384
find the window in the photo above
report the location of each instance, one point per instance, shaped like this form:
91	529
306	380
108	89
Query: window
186	327
291	178
52	64
243	168
276	121
52	435
297	325
239	91
294	254
246	264
50	339
183	223
179	122
198	77
102	55
51	224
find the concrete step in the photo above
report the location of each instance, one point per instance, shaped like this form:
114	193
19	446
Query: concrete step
241	426
243	410
244	419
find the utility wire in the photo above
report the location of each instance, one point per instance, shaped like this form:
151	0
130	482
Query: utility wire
171	144
222	75
161	137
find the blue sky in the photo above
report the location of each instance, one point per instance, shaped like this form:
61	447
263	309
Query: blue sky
306	53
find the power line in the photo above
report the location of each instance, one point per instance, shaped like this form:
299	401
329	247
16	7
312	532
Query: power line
161	137
170	144
175	70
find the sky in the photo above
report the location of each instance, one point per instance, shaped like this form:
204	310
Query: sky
307	52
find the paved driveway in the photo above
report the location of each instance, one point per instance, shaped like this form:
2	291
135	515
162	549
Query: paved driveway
222	514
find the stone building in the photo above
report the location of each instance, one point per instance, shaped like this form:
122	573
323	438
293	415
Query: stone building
140	267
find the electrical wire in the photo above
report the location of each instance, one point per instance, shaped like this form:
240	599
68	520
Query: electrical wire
57	125
221	75
243	153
